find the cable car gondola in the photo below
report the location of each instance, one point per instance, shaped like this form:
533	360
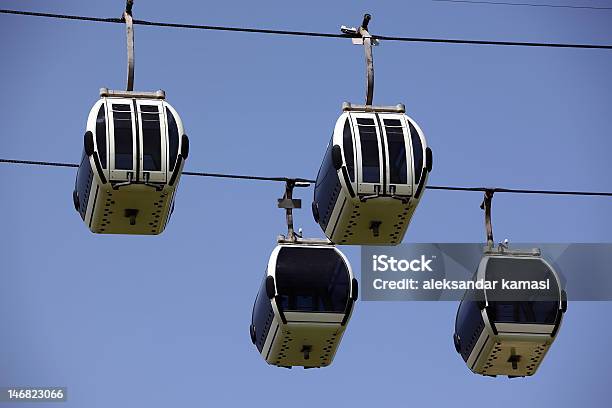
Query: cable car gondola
133	156
372	177
374	171
304	303
502	332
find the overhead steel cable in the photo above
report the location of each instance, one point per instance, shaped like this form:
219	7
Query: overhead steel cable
306	33
523	191
507	3
245	177
305	180
39	163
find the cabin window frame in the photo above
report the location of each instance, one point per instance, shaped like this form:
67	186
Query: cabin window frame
159	174
291	285
121	173
366	185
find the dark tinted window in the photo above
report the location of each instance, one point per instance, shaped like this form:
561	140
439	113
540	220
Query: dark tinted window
525	312
83	184
369	150
366	121
262	316
122	122
469	323
347	142
173	138
417	152
101	135
149	108
327	188
522	306
311	280
151	138
393	122
397	151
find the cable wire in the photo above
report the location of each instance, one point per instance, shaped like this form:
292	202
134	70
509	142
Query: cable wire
304	180
523	191
39	163
306	33
245	177
504	3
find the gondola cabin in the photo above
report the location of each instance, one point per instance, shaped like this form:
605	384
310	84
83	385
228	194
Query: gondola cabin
372	177
304	304
134	152
508	332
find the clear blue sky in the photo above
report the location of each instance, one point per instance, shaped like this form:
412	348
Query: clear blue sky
163	321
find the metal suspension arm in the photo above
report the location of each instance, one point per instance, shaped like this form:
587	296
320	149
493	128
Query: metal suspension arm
289	203
129	26
369	60
362	36
486	206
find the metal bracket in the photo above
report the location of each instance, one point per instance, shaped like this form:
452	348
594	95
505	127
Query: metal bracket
146	177
501	250
377	193
105	92
289	203
130	181
362	36
514	359
349	107
404	200
129	26
365	198
375	227
145	182
486	206
281	239
306	350
131	213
